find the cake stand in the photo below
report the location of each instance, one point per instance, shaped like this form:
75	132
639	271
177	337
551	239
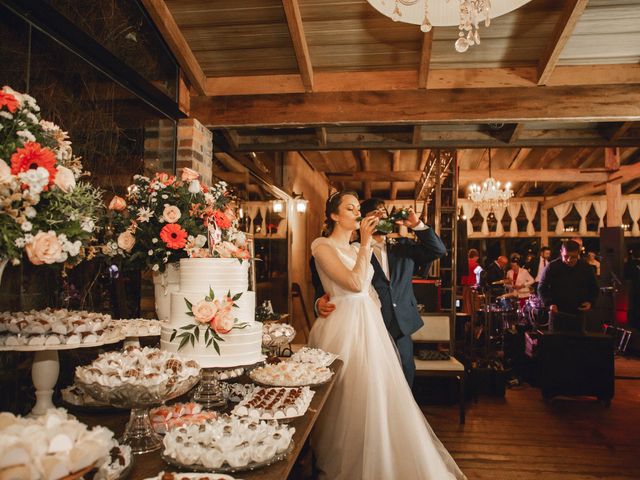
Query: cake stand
46	367
209	392
139	433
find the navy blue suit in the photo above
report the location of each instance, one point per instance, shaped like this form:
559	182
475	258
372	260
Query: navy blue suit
401	317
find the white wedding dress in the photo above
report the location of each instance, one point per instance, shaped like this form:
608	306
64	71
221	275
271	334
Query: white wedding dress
371	427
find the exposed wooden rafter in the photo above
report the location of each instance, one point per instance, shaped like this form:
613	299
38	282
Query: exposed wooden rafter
395	167
575	162
296	29
510	105
564	28
172	34
365	160
625	174
425	59
438	79
544	161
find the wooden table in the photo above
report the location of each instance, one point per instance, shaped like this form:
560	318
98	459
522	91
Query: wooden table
149	464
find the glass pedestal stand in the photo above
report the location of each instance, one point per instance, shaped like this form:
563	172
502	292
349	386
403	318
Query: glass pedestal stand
208	393
139	433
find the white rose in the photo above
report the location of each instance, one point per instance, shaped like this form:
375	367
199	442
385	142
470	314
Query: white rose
194	187
5	172
200	241
204	311
171	214
126	241
65	179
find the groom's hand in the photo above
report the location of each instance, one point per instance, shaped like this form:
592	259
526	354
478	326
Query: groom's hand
412	220
324	306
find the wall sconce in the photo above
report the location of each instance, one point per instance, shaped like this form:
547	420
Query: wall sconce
300	202
277	206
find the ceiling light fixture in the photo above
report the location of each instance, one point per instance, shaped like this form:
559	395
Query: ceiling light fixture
466	14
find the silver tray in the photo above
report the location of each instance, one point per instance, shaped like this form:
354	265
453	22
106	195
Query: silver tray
226	468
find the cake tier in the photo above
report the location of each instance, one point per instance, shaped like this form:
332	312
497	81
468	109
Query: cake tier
239	348
245	312
198	274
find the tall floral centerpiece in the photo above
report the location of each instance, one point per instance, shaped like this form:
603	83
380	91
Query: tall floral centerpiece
46	210
166	218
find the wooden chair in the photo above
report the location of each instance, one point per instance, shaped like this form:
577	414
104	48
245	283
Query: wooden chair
439	328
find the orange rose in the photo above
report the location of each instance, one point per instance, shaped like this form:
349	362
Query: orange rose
45	248
189	174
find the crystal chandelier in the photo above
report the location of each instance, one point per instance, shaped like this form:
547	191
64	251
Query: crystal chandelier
490	194
466	14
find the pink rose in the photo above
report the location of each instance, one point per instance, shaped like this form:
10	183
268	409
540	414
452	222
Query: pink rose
189	174
171	214
117	204
5	172
224	323
45	248
65	180
126	241
204	311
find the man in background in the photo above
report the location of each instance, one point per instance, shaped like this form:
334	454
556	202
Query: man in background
537	266
568	288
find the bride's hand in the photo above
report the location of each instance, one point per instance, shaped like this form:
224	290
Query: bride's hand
367	227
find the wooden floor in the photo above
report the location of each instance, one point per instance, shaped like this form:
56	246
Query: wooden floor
520	437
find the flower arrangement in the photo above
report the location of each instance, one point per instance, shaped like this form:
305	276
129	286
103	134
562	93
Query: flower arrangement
166	218
46	210
214	315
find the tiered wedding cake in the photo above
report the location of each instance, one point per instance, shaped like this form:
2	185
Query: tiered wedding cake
212	316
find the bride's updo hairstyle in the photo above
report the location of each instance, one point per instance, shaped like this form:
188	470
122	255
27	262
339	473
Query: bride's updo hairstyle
332	205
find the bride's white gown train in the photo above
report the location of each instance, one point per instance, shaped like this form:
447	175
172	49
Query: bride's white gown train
371	427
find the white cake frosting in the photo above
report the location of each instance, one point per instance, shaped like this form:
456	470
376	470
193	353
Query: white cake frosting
222	275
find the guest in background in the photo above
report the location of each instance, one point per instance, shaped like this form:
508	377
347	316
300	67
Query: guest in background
538	265
494	275
594	263
519	280
568	288
468	281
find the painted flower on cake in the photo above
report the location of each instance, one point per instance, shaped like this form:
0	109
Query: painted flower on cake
173	236
215	315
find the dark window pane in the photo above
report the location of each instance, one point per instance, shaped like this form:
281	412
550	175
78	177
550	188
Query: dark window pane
123	28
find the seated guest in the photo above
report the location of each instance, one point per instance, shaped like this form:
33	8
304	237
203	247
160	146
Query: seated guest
568	288
519	281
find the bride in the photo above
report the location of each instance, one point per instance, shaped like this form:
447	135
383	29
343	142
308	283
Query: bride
371	427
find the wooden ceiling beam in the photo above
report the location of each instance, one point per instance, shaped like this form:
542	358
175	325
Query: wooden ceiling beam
575	162
548	156
395	167
519	159
445	79
510	105
321	133
618	131
515	132
163	19
365	159
425	59
625	174
296	30
542	175
571	13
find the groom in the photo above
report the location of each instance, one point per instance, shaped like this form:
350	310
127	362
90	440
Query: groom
393	266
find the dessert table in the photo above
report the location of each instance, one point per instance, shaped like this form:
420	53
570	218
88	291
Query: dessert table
149	464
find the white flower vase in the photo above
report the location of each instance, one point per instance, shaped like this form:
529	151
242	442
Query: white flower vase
164	284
